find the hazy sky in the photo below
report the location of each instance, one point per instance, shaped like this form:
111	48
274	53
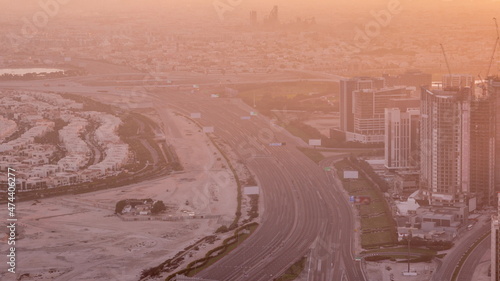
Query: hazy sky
357	11
9	5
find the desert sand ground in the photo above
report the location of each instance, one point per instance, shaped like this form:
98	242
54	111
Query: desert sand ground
77	237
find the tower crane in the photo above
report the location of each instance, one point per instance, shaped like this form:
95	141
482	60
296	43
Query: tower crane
494	49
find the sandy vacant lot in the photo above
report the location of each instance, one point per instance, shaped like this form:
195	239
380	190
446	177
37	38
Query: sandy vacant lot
324	122
383	271
79	238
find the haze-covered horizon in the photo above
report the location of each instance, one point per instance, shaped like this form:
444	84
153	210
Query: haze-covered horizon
343	6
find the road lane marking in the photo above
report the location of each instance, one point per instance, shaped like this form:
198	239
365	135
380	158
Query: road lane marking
319	195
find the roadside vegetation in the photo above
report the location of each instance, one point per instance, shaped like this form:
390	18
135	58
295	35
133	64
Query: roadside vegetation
294	271
313	154
400	254
306	132
174	262
51	75
212	256
402	258
369	173
417	242
378	228
401	249
52	138
304	96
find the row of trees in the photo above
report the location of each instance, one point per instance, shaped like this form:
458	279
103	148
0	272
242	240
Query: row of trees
157	207
34	75
337	141
372	176
429	244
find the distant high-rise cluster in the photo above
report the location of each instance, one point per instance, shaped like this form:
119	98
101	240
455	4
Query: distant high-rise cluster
447	133
271	20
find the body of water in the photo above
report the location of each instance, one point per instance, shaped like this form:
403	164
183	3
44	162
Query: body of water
22	71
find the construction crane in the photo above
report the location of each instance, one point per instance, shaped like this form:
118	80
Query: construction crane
446	60
482	85
273	15
494	49
272	19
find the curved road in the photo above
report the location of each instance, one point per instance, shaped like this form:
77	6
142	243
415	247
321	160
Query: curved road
450	261
306	213
467	271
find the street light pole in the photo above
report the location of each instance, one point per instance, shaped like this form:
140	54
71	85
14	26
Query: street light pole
409	239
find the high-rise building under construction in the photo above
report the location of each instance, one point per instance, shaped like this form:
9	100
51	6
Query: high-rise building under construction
445	142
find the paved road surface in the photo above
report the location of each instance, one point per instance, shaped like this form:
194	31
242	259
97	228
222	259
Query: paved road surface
450	261
305	214
468	268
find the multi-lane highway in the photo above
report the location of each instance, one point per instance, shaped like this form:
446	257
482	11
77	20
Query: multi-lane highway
305	212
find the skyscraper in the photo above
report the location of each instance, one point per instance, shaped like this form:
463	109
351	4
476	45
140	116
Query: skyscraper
494	93
347	87
482	149
445	141
402	141
253	17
